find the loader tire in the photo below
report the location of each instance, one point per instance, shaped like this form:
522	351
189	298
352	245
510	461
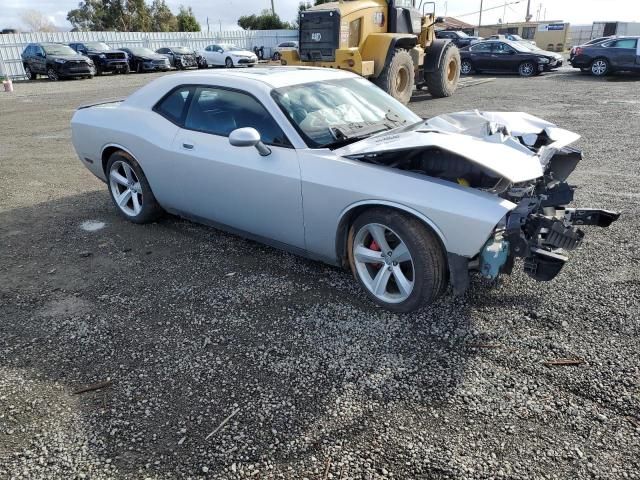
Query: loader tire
398	77
444	81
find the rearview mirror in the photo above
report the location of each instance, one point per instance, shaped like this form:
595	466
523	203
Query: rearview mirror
248	137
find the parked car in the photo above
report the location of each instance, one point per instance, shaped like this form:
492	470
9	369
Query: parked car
593	41
283	47
409	205
228	56
617	54
459	38
512	37
180	58
146	60
56	61
105	58
503	56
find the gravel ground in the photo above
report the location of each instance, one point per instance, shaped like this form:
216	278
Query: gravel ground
229	359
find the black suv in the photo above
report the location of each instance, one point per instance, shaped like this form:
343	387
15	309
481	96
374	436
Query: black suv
459	38
105	58
56	61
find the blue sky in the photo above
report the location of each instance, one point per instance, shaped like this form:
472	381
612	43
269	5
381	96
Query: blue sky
228	11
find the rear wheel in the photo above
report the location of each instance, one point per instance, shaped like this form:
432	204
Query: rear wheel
130	190
30	74
600	67
444	81
466	67
397	260
397	77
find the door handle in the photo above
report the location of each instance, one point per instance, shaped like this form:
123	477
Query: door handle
188	146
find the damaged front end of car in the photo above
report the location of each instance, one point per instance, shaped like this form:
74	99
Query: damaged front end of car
514	156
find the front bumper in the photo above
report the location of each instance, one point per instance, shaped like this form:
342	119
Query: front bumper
113	65
156	66
246	61
74	69
541	229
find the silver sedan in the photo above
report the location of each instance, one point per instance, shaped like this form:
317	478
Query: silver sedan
324	164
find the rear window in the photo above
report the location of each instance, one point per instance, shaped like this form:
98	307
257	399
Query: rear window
172	106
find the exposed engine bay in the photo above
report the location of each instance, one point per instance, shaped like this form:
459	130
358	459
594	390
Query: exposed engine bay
516	156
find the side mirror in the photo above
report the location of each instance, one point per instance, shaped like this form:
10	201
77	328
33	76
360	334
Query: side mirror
439	20
248	137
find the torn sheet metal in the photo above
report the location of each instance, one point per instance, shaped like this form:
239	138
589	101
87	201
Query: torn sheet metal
514	145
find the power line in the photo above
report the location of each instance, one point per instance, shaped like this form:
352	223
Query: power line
485	9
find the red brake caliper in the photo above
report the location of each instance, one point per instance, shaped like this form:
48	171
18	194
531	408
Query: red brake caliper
376	248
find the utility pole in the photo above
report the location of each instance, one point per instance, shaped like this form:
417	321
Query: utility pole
273	9
480	19
528	16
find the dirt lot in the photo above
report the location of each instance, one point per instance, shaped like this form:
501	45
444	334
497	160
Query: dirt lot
193	326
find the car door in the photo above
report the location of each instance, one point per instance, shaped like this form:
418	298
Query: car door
39	59
480	55
623	53
236	186
213	55
503	57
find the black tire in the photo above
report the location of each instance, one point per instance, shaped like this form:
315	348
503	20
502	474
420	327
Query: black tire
151	210
228	63
600	67
99	71
466	67
527	69
444	81
139	67
31	75
397	77
430	275
52	74
276	57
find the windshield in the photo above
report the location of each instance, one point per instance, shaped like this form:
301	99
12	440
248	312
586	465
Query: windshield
182	50
331	113
517	38
141	52
461	34
52	49
98	46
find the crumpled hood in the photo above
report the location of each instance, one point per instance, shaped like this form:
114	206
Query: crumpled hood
514	145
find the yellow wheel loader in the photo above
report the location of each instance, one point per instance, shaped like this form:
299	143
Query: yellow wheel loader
390	42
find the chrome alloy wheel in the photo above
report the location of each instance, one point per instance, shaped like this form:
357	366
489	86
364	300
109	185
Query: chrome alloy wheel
125	188
384	263
466	68
527	69
599	67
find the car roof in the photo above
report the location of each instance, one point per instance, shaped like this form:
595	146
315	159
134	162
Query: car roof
274	76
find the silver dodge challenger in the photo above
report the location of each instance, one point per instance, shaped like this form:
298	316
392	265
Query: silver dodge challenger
322	163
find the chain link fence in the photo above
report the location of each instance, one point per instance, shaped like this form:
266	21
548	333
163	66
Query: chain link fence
12	45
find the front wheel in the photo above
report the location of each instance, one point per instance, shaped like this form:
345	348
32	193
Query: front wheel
52	74
397	77
600	67
527	69
397	260
130	190
228	63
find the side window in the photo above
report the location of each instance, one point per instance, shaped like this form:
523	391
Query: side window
481	48
625	43
219	112
172	106
502	48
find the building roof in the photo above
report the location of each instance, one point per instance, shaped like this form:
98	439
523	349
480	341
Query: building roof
451	23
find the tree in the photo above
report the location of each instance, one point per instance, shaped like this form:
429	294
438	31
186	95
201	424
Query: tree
37	22
138	14
163	19
187	20
265	21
